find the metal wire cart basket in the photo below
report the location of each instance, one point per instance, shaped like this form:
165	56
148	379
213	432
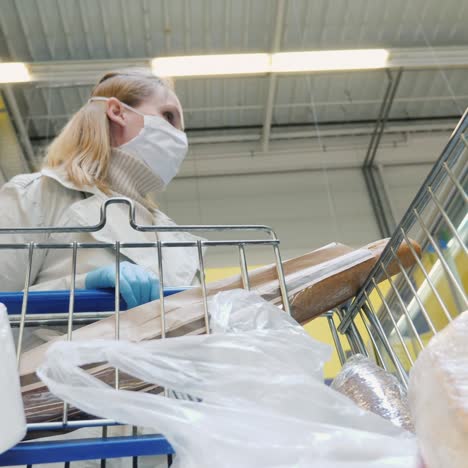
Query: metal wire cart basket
390	320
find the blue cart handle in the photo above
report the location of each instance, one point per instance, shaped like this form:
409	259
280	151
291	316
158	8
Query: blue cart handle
50	302
30	453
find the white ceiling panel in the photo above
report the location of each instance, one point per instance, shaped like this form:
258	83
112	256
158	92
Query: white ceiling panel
82	29
43	30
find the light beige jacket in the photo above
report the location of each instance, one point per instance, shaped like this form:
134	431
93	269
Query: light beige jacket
47	199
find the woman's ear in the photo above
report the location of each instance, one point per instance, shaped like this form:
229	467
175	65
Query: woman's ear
115	112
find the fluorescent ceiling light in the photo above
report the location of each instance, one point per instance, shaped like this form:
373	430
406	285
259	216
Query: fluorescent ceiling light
205	65
283	62
327	60
14	72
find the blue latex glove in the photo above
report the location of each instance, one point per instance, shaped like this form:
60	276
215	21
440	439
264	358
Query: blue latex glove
137	285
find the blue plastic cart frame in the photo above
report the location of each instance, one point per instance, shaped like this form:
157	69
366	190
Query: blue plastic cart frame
29	453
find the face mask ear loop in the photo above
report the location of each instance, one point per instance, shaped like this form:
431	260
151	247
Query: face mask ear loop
97	98
102	98
132	109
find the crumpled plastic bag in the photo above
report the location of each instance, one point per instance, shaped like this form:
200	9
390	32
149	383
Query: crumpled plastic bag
258	394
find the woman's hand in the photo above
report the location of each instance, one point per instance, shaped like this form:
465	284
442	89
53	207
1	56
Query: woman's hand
137	285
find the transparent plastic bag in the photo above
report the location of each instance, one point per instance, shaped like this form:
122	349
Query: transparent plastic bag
258	398
12	419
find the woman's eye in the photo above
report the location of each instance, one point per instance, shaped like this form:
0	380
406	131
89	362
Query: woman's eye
169	116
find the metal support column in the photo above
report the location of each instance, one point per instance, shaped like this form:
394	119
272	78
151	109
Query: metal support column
269	107
380	201
23	137
375	185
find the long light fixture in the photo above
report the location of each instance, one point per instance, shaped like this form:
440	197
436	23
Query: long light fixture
204	65
14	72
328	60
283	62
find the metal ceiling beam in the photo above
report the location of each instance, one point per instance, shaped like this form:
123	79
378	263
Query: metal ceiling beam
126	28
66	29
378	202
280	9
384	113
330	130
414	58
392	216
80	72
240	107
250	172
87	35
13	110
167	26
340	130
105	24
27	158
12	47
373	176
269	107
88	71
147	26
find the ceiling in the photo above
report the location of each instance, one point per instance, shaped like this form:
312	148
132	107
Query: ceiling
63	30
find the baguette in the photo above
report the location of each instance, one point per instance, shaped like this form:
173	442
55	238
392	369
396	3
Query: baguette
336	289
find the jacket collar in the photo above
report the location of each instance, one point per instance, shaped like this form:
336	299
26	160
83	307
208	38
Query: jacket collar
61	177
180	264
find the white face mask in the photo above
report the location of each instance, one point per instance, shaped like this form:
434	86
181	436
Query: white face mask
159	145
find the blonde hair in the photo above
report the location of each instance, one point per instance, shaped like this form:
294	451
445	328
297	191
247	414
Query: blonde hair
83	148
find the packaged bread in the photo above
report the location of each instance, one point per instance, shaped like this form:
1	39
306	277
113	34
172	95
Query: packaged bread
438	397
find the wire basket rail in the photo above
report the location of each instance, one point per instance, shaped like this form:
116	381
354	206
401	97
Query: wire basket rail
77	307
392	318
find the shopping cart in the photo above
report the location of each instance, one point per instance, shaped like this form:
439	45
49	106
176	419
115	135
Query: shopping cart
79	307
390	319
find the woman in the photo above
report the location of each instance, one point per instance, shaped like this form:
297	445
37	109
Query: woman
127	140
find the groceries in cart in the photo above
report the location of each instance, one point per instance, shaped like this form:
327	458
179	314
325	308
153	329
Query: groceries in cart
316	282
243	318
374	389
438	394
257	394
